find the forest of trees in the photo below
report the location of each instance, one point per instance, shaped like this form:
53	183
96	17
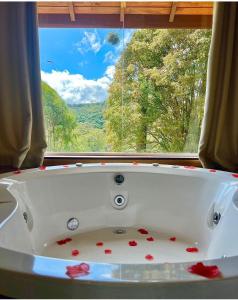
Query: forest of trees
159	108
65	132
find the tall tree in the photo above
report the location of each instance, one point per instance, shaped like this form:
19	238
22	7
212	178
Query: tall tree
60	121
160	107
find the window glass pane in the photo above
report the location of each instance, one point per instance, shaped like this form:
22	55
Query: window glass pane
115	90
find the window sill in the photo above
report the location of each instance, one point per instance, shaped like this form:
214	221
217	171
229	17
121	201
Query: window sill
163	158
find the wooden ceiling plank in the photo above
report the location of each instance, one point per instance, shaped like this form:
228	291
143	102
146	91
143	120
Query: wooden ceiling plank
172	12
182	8
195	4
195	11
129	10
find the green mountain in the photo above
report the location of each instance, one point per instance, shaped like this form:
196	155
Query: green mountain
90	113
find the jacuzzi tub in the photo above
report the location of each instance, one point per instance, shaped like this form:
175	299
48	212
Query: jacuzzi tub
138	228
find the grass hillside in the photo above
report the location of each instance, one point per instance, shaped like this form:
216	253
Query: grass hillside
90	113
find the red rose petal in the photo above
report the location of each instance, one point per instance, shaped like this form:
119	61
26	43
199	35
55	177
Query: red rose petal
205	271
107	251
132	243
77	270
192	249
99	244
67	240
142	231
75	252
149	257
212	170
150	239
42	168
173	239
17	171
65	166
62	242
235	175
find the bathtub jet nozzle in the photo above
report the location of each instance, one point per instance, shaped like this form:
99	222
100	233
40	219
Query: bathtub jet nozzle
73	224
216	218
119	179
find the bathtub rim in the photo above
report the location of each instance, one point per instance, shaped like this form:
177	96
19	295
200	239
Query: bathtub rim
12	261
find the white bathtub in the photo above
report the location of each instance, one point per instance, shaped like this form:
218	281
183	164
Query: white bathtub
179	207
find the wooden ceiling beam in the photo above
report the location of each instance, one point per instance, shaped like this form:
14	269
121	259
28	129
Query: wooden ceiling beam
122	12
172	12
71	11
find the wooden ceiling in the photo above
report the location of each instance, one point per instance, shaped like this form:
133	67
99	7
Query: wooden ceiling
134	14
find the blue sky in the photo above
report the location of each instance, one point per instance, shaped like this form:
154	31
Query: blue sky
79	63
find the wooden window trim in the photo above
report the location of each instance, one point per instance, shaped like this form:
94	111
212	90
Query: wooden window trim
182	159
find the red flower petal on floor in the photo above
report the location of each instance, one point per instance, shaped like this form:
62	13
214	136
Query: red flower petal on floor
212	170
192	249
107	251
78	270
17	171
99	244
75	252
205	271
149	257
65	166
142	231
150	239
42	168
235	175
173	239
189	167
132	243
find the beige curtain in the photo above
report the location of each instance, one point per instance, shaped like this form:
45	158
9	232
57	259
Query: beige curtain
22	135
219	136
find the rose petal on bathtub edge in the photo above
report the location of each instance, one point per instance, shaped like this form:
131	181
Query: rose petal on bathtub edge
77	270
209	272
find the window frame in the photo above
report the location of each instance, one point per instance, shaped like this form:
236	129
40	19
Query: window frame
51	19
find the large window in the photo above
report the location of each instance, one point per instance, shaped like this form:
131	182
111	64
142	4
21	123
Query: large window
131	90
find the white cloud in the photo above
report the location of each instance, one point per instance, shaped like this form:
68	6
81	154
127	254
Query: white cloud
110	71
75	89
90	42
